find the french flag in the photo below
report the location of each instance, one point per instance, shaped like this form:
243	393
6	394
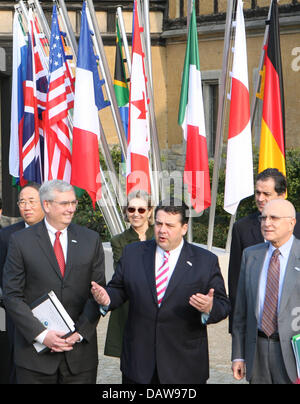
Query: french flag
86	130
17	100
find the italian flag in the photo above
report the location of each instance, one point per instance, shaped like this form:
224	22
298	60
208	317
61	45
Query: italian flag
191	118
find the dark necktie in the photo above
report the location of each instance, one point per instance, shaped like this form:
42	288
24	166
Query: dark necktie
269	316
59	253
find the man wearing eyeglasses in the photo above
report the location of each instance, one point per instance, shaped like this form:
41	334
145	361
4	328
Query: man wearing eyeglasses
31	212
270	184
268	293
63	257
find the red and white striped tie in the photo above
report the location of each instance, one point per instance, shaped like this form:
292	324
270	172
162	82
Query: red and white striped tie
162	278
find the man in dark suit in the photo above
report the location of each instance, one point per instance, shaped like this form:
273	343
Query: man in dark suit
268	291
174	289
63	257
270	184
31	212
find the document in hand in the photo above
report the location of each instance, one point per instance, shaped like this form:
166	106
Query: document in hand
296	348
52	314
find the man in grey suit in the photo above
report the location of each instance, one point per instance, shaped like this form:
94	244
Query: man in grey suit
33	269
265	317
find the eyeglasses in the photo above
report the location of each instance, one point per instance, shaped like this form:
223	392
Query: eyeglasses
272	219
131	209
66	204
31	204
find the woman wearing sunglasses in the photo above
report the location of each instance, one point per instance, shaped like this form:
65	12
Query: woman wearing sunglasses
139	213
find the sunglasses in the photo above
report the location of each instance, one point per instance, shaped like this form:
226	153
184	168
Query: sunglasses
130	209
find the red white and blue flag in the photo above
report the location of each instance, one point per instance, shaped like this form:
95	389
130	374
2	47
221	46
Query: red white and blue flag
60	98
31	166
17	101
137	164
86	131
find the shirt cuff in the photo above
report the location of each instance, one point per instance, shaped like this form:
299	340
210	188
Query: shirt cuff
40	338
103	309
204	318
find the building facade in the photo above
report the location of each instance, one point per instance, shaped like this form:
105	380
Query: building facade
168	22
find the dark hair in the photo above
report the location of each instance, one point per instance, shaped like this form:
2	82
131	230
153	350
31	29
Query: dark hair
278	177
31	185
174	206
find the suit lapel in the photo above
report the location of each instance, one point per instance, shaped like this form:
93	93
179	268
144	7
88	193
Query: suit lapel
72	249
179	271
292	274
149	266
255	272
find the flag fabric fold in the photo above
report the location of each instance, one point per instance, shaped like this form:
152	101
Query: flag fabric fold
17	101
191	118
137	164
86	130
272	138
35	89
60	99
120	82
239	164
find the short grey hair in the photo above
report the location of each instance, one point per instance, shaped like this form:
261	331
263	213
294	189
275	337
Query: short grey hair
49	187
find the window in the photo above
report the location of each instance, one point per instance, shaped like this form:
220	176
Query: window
210	85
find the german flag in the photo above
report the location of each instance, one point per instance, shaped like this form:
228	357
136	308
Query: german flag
272	138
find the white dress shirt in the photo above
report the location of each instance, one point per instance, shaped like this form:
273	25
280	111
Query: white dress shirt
173	258
283	260
63	238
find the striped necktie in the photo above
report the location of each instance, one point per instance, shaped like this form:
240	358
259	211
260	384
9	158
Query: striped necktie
59	253
162	278
269	316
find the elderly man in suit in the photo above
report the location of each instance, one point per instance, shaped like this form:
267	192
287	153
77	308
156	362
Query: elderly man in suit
174	289
31	212
268	293
63	257
270	184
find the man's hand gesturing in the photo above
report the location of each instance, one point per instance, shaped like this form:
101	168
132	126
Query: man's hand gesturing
100	294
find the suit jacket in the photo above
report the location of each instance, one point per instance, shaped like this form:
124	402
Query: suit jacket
31	270
170	337
5	234
245	233
244	332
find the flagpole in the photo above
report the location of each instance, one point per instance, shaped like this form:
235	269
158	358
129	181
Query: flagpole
124	38
107	77
260	68
252	113
110	209
23	9
67	23
42	18
156	160
190	224
220	121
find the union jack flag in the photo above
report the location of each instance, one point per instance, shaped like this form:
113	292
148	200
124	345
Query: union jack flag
60	99
31	167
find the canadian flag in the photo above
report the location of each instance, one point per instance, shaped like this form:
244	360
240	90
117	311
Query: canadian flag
239	165
137	164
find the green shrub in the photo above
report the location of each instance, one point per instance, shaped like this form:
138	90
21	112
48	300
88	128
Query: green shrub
86	216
